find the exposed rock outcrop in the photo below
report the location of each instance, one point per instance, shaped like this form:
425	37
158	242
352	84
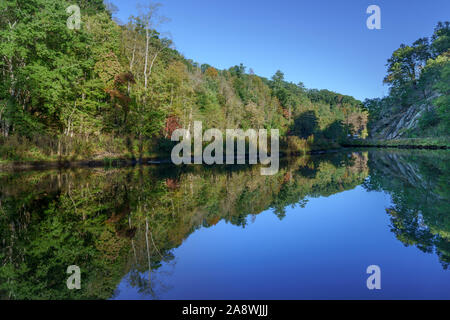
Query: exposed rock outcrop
395	125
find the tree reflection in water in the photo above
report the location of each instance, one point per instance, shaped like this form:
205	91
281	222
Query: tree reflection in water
126	222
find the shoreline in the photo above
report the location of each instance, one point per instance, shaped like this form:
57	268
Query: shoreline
385	146
106	162
442	143
8	166
67	164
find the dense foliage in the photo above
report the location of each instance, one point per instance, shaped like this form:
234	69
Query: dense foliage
418	76
120	90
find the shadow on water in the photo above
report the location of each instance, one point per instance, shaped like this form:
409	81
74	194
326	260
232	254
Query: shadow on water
126	222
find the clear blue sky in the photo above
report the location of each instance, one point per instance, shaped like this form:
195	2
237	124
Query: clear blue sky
324	44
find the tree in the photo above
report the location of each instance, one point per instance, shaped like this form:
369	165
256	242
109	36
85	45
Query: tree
406	63
305	125
148	112
443	102
335	131
440	41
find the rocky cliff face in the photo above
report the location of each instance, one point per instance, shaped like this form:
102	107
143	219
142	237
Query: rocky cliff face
395	125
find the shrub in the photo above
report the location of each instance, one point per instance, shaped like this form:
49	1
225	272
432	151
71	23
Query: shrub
428	119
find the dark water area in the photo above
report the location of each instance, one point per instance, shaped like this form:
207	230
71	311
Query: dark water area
227	232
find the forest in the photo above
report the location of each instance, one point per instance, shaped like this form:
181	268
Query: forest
110	90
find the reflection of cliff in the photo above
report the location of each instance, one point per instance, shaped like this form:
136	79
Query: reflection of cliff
418	185
127	221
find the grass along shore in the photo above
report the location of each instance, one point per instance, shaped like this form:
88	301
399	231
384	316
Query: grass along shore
407	143
23	156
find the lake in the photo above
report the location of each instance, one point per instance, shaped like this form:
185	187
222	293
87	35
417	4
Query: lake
226	232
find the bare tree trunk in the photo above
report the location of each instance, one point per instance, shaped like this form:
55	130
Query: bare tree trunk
141	147
147	36
59	148
153	61
12	78
148	251
132	243
132	62
188	131
133	55
2	122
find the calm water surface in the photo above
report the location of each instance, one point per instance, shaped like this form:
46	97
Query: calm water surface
165	232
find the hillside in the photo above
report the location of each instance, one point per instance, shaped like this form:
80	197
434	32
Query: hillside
108	90
419	99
